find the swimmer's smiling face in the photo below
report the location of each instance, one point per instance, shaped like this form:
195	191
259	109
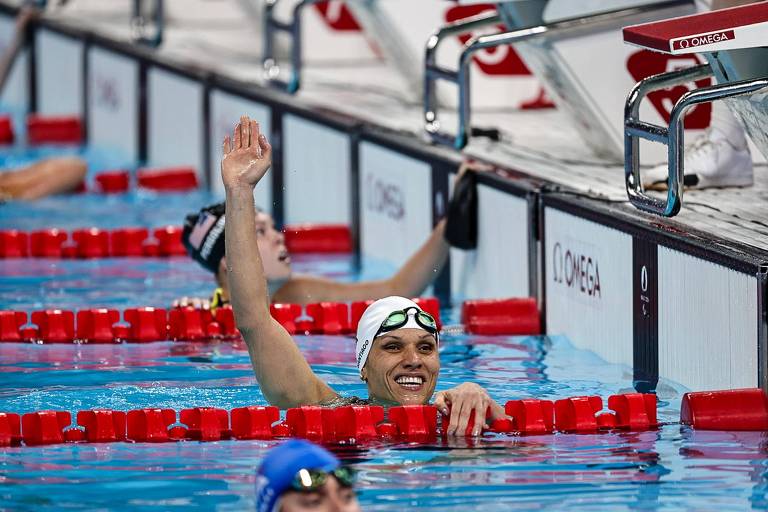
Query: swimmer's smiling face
274	254
403	367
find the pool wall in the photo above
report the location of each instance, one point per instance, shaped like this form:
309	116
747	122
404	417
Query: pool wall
665	301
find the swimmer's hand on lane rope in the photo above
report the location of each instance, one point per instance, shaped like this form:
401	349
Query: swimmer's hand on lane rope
463	399
247	155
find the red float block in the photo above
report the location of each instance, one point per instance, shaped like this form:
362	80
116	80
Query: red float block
150	425
44	427
635	411
517	316
577	414
14	244
733	409
254	422
329	318
95	325
386	430
225	317
46	243
531	416
121	332
502	425
356	310
113	182
432	306
354	423
74	435
415	421
206	423
150	248
55	325
128	241
10	325
147	324
187	324
286	315
311	422
10	429
30	334
102	425
318	238
54	129
91	243
168	179
281	430
6	130
169	240
69	250
606	421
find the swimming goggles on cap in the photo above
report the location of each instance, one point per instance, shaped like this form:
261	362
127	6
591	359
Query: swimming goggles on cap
399	318
308	480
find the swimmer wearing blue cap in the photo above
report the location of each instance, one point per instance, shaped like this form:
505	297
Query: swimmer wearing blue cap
397	343
298	475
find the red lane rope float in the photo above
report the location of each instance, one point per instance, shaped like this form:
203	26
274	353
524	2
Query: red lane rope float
54	129
734	409
146	324
6	130
92	243
167	179
104	243
316	238
514	316
341	425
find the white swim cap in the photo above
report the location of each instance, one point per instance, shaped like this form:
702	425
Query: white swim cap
372	319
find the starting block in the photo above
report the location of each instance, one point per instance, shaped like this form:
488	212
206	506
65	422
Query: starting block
733	43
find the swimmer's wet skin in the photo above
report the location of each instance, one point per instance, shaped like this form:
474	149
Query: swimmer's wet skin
399	363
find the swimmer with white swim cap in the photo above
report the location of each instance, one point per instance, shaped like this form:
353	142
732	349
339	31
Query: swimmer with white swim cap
397	343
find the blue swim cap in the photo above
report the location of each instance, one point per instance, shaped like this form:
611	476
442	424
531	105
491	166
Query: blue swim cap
279	468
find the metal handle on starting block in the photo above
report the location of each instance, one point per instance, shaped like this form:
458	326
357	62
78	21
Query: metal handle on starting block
672	136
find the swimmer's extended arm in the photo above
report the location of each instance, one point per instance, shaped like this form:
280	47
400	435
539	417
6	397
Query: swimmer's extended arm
283	374
410	281
43	178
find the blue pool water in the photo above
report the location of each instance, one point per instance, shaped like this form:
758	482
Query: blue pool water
672	468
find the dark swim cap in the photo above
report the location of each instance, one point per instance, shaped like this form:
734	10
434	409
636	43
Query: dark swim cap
203	236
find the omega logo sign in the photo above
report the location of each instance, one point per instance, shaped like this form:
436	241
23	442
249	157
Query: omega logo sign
579	272
693	42
384	198
107	93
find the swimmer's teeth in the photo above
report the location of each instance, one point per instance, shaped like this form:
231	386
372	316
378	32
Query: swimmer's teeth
410	380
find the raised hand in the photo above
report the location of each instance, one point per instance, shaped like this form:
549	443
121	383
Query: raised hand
460	402
247	155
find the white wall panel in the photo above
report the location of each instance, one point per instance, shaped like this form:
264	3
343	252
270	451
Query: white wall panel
15	95
59	68
589	285
316	163
707	323
113	99
502	230
395	204
226	110
174	121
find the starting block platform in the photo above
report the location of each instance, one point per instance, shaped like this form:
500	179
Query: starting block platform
684	299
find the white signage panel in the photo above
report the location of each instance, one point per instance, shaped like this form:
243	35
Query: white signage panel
708	320
588	283
395	205
113	103
59	68
225	112
174	121
502	230
316	172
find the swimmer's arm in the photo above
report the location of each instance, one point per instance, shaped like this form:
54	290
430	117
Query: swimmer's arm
284	376
410	281
44	178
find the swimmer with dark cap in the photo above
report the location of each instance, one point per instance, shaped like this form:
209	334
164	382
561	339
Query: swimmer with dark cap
397	342
204	238
301	476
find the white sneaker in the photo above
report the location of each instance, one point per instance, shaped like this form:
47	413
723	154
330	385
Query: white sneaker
711	161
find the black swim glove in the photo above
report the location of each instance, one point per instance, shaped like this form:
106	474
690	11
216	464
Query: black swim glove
461	219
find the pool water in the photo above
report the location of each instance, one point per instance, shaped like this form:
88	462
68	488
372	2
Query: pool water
672	468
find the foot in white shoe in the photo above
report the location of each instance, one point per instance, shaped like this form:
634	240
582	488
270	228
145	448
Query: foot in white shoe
711	161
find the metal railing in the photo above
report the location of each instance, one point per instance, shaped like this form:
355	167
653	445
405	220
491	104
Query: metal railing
460	76
672	135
